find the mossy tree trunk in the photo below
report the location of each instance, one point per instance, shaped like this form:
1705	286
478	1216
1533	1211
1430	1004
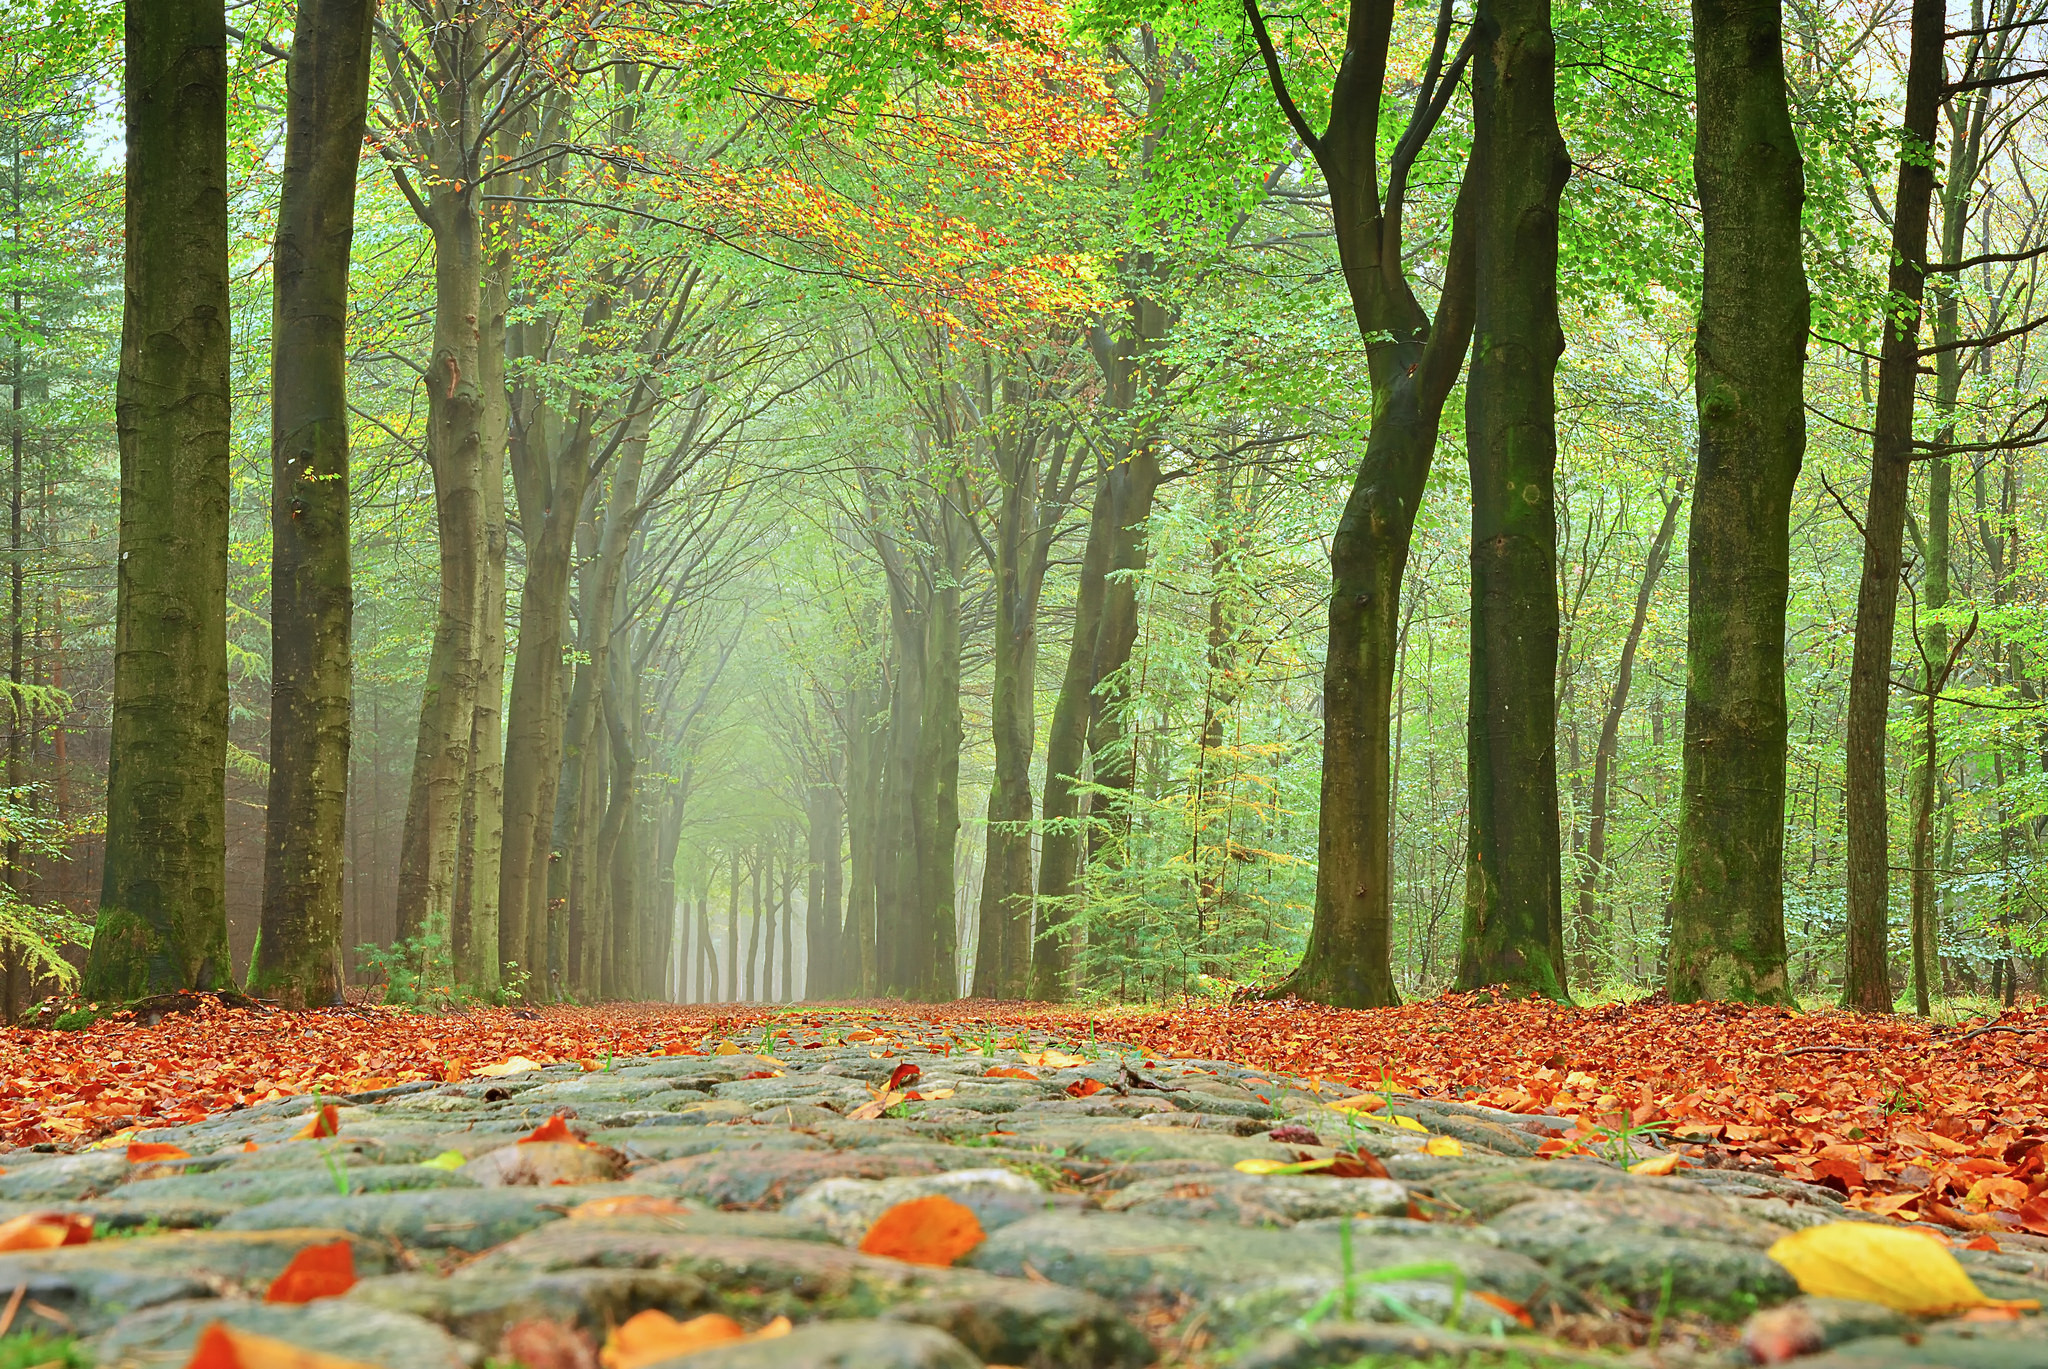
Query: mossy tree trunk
1867	983
163	920
311	596
1727	890
1513	891
1413	361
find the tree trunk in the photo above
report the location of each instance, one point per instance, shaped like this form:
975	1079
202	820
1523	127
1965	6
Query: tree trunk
935	797
1513	893
455	411
827	952
1594	878
732	935
865	750
761	859
163	921
311	599
1727	890
897	893
1867	983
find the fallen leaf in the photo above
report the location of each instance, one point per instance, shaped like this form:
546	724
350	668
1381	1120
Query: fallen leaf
45	1230
556	1128
1052	1059
875	1107
1410	1124
318	1271
1086	1088
939	1093
726	1048
1901	1269
903	1076
447	1159
1983	1243
1364	1102
653	1336
931	1230
141	1152
538	1343
1448	1146
1007	1072
220	1346
1284	1166
630	1205
1657	1165
518	1064
1507	1305
326	1122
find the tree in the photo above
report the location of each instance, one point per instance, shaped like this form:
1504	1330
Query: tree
1867	983
1513	932
1413	360
1727	892
311	598
163	919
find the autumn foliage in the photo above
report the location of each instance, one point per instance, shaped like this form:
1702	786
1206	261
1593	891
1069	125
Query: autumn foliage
1945	1125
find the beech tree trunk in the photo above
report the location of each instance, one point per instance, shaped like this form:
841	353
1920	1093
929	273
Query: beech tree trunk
311	597
163	921
1412	364
1727	888
1593	880
1513	890
1867	983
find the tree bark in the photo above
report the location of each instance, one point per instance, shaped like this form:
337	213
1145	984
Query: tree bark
935	797
1513	891
1727	889
163	921
1867	983
311	595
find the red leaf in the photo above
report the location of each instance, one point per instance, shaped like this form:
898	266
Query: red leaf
903	1075
556	1128
318	1271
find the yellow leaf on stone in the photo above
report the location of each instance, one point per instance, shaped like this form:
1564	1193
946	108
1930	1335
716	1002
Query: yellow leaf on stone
1443	1145
1900	1269
1260	1166
936	1094
1052	1059
1410	1124
726	1048
518	1064
447	1159
1659	1164
1364	1102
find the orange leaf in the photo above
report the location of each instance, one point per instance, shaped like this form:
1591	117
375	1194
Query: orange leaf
1983	1243
220	1346
556	1128
1007	1072
1659	1164
652	1336
141	1151
903	1076
933	1230
44	1230
326	1122
1086	1088
630	1205
318	1271
1507	1305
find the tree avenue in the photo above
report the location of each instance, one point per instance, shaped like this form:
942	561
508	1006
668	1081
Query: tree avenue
1110	500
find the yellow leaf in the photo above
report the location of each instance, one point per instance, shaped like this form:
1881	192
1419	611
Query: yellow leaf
518	1064
1900	1269
1364	1102
1052	1059
936	1094
1442	1145
447	1159
875	1107
1659	1164
1260	1166
1410	1124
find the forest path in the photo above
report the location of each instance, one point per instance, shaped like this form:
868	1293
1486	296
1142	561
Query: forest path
732	1160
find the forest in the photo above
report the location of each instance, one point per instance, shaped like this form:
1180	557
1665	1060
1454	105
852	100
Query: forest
559	500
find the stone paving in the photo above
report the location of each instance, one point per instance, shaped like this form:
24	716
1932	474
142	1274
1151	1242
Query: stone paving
1119	1231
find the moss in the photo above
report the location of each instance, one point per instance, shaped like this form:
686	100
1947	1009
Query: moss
119	969
30	1350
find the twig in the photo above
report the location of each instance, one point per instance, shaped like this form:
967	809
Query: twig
13	1306
1832	1050
1994	1027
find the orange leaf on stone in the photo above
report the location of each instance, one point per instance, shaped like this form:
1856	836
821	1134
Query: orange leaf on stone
903	1076
45	1230
1007	1072
1507	1305
1983	1243
325	1122
1086	1088
653	1336
931	1230
141	1152
318	1271
538	1343
556	1128
221	1346
630	1205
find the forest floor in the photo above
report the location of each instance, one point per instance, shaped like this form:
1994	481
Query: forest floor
1121	1164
